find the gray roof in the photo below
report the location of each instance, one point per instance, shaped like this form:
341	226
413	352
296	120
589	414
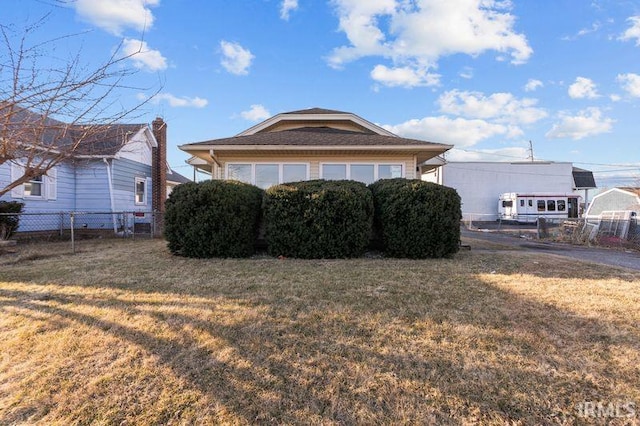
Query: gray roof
173	176
318	136
91	139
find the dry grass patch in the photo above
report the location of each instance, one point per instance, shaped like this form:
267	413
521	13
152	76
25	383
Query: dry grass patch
125	332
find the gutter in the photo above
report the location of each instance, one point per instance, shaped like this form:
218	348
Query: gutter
112	201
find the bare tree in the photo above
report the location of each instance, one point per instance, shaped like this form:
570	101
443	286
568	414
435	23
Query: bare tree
55	108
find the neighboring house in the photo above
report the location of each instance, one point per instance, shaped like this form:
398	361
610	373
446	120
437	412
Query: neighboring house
116	171
480	184
312	144
174	179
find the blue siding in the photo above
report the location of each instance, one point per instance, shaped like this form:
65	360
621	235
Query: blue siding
125	173
92	187
65	200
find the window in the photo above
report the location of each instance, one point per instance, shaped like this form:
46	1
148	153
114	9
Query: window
541	206
530	203
241	172
141	191
265	175
334	171
551	205
521	203
507	203
366	173
33	188
294	172
562	206
43	187
389	171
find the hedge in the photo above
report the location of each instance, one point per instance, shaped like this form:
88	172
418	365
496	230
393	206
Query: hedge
417	219
9	223
318	219
213	219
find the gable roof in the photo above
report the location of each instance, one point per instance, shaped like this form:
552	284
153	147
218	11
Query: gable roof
99	140
315	117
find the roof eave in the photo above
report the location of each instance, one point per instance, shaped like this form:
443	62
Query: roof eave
218	148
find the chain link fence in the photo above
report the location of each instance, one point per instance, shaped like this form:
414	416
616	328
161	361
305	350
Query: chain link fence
74	226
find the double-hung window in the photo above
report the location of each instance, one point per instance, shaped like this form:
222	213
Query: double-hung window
140	191
43	187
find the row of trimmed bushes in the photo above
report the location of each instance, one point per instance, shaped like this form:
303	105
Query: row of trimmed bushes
314	219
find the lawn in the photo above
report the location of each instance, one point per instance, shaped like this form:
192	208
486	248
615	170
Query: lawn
123	333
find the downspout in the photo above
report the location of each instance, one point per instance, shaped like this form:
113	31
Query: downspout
110	181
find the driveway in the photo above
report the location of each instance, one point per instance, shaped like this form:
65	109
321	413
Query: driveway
612	257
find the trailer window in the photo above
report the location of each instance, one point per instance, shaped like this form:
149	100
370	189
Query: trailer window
507	203
541	205
551	205
562	206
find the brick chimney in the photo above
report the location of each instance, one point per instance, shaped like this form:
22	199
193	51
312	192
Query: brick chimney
159	165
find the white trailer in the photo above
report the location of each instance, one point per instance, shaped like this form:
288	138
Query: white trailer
529	207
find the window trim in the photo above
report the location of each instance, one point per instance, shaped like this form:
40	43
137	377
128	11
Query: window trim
135	191
280	165
376	167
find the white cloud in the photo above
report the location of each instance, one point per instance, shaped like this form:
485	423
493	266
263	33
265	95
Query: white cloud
500	107
235	58
630	83
633	32
418	34
257	112
116	15
404	76
142	56
533	85
583	88
588	122
458	131
287	7
466	73
175	101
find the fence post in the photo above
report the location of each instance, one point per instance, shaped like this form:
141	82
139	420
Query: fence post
73	240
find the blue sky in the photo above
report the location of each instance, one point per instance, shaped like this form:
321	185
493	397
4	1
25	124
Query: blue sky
485	75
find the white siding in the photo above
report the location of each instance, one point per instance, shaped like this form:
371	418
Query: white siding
479	184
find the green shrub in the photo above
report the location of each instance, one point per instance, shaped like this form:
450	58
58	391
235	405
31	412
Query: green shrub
318	219
417	219
9	222
213	219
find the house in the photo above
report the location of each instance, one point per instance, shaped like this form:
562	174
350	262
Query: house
121	167
480	184
309	144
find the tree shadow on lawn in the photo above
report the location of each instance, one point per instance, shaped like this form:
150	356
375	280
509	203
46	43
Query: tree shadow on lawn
470	351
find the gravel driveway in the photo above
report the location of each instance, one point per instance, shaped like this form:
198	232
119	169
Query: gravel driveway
613	257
